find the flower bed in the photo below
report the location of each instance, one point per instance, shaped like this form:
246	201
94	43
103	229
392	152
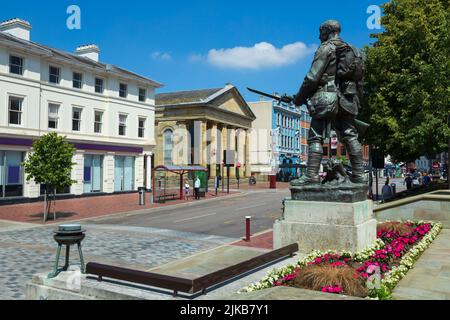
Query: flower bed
373	272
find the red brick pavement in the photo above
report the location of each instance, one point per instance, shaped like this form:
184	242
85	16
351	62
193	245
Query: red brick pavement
82	208
261	185
263	241
258	186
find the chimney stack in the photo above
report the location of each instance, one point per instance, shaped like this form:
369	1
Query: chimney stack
90	51
17	28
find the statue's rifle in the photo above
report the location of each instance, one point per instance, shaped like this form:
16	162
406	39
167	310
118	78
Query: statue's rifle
360	125
284	98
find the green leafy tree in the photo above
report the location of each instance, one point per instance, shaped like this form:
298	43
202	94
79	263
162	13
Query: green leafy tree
50	164
343	160
407	91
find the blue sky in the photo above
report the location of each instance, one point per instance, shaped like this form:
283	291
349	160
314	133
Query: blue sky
190	45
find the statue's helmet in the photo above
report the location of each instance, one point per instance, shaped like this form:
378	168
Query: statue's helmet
330	26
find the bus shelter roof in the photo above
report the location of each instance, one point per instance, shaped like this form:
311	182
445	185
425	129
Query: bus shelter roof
180	169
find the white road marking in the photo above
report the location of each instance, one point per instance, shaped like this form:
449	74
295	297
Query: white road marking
198	217
251	207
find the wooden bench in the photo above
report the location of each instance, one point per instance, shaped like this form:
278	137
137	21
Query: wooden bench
164	197
191	286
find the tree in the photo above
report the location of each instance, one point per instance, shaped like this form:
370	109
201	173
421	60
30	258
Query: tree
343	160
407	91
50	164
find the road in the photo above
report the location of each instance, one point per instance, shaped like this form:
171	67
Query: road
224	217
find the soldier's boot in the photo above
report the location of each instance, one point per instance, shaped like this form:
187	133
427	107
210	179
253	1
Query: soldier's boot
355	153
311	176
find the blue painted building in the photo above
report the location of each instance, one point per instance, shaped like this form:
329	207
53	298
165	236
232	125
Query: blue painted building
291	127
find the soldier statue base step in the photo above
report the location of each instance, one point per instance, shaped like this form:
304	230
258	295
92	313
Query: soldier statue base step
326	226
330	192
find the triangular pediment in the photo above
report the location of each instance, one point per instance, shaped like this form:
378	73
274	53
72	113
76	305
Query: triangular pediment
233	102
231	105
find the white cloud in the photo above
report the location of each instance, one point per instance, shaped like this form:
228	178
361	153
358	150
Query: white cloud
161	56
195	58
261	55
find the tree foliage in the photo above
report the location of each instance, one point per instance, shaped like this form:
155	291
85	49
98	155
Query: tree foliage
407	91
50	163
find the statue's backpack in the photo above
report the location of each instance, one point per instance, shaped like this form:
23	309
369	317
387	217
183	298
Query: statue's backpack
350	63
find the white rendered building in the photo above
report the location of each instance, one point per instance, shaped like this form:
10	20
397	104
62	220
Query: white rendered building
107	112
263	140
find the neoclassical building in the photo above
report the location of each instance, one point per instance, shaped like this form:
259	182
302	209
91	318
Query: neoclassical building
196	127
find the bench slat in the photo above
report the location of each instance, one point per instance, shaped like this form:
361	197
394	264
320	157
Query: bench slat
142	277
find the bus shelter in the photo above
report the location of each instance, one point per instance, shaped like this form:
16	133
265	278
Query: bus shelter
162	187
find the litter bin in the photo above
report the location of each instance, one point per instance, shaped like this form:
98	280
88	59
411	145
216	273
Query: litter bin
142	196
273	181
394	188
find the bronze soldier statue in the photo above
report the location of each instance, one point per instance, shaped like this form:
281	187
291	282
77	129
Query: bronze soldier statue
331	90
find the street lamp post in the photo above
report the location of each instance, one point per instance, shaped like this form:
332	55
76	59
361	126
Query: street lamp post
299	148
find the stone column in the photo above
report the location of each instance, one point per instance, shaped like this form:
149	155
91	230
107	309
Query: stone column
198	143
159	149
241	151
224	146
204	144
232	146
181	145
248	166
213	150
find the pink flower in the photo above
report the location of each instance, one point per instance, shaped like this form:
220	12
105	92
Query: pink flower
371	269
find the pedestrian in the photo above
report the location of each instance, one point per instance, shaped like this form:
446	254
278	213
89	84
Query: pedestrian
197	185
386	192
426	180
415	182
408	181
420	178
187	188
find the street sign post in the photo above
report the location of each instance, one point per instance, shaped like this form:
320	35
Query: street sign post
228	159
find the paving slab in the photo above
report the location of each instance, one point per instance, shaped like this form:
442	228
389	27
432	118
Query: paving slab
288	293
430	277
210	261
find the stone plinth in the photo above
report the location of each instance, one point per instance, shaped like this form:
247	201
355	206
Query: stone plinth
330	192
317	225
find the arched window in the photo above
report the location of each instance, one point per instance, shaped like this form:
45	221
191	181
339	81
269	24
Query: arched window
168	147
